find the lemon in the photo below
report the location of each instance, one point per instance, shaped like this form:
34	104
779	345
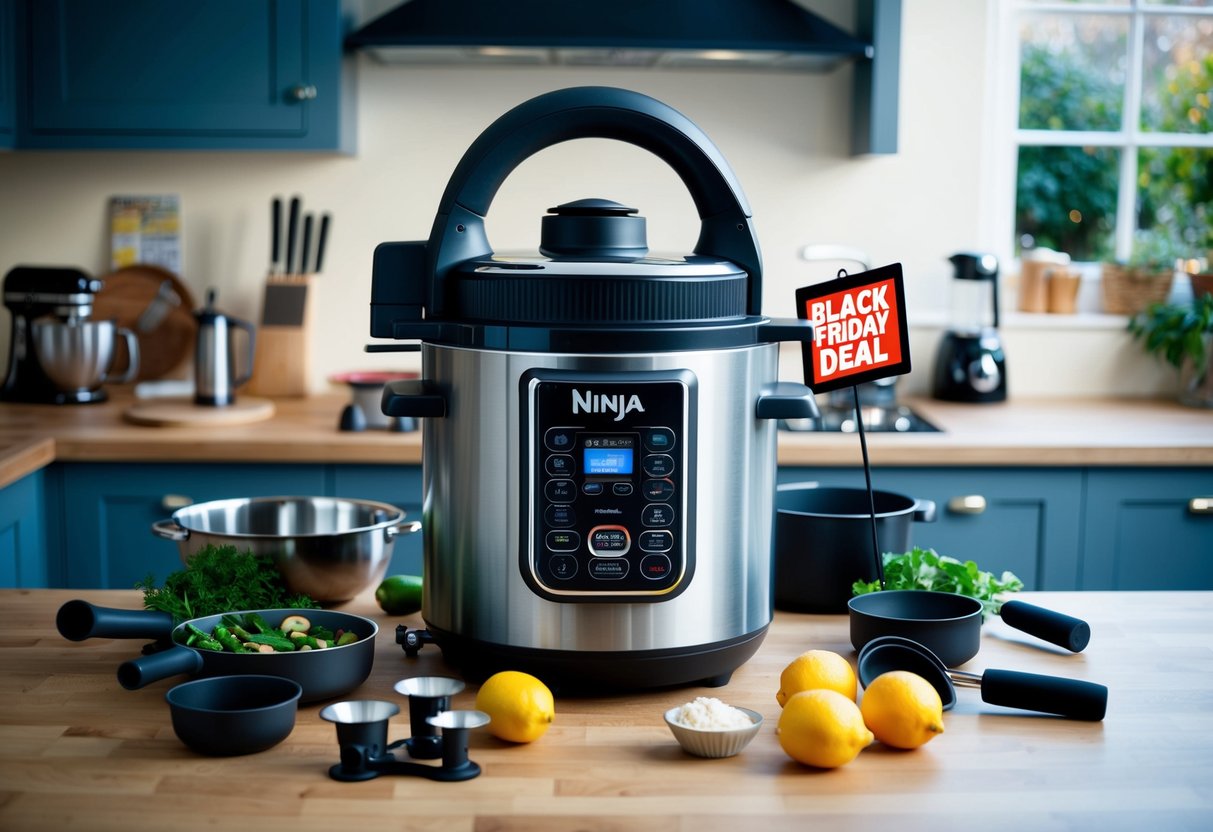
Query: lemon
520	706
817	669
902	709
822	728
399	594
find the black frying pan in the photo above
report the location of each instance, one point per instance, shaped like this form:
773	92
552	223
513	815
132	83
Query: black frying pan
949	625
323	674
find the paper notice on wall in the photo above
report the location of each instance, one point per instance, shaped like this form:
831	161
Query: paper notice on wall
146	229
859	329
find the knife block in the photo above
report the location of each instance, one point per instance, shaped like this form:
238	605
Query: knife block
283	362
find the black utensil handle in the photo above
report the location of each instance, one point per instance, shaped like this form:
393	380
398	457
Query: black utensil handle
304	257
292	234
1054	627
275	233
323	239
144	670
1072	698
78	620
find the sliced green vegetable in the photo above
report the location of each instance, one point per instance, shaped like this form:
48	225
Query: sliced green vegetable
346	638
280	644
230	643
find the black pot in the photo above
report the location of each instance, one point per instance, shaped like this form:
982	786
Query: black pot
823	541
226	716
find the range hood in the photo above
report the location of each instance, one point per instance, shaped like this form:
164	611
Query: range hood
767	34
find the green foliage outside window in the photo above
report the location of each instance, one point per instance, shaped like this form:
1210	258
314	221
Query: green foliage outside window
1066	197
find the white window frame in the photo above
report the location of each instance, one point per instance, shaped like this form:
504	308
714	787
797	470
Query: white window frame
1005	137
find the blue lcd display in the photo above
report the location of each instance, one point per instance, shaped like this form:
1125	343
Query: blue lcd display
608	461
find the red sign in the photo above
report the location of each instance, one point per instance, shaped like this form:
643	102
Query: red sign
859	331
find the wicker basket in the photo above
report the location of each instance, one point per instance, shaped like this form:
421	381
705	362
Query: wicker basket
1129	291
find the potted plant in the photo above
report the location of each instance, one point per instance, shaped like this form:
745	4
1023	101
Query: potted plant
1182	335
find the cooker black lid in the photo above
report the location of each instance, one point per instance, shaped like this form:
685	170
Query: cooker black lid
595	270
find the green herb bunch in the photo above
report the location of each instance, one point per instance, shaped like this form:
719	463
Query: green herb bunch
219	579
927	569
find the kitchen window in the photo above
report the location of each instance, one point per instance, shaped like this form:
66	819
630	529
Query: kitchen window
1102	127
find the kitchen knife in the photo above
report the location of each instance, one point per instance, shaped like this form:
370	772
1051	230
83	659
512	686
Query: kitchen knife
276	234
292	232
307	243
324	235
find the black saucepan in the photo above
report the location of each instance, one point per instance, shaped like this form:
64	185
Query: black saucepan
1071	698
949	625
226	716
323	674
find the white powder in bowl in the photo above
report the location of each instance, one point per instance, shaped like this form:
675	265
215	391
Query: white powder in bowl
709	714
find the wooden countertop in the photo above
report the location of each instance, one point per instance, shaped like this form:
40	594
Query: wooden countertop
78	752
1047	432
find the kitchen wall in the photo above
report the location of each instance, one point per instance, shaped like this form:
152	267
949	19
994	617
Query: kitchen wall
786	136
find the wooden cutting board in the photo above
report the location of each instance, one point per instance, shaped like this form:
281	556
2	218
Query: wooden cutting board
164	324
176	412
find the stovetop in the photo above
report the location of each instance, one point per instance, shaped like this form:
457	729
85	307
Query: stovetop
876	419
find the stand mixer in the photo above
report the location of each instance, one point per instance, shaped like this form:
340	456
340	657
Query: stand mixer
57	353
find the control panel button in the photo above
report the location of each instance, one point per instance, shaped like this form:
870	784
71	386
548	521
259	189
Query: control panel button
621	489
658	491
560	491
608	569
560	517
657	515
562	566
559	465
656	541
593	489
562	541
559	440
659	440
655	567
658	465
609	541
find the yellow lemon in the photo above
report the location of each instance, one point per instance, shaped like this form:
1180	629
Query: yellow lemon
822	728
817	669
520	706
902	709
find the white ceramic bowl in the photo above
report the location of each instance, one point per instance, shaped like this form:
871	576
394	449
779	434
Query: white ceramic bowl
704	743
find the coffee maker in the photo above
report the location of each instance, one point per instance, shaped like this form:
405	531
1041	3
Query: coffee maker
970	365
57	353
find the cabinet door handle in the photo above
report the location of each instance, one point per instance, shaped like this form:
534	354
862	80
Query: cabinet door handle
1200	505
172	502
967	504
302	92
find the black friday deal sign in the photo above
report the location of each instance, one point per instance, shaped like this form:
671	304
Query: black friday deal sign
859	329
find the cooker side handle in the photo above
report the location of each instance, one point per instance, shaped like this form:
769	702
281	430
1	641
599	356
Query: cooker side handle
413	397
786	400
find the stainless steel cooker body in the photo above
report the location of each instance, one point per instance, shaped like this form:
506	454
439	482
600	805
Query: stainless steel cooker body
476	484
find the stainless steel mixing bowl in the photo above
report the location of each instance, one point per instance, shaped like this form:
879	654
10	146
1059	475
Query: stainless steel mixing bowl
78	354
326	547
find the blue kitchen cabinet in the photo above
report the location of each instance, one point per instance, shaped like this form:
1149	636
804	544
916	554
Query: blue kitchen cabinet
1148	529
398	485
109	509
8	83
23	549
222	74
1025	520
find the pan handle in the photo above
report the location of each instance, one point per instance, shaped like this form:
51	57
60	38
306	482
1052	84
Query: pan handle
411	527
1071	698
1054	627
144	670
78	620
170	530
924	511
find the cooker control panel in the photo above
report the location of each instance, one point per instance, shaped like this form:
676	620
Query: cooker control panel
607	494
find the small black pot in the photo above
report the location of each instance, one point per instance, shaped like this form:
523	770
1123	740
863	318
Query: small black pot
823	541
225	716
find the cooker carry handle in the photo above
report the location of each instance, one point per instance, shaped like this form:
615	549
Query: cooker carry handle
417	398
786	400
725	228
